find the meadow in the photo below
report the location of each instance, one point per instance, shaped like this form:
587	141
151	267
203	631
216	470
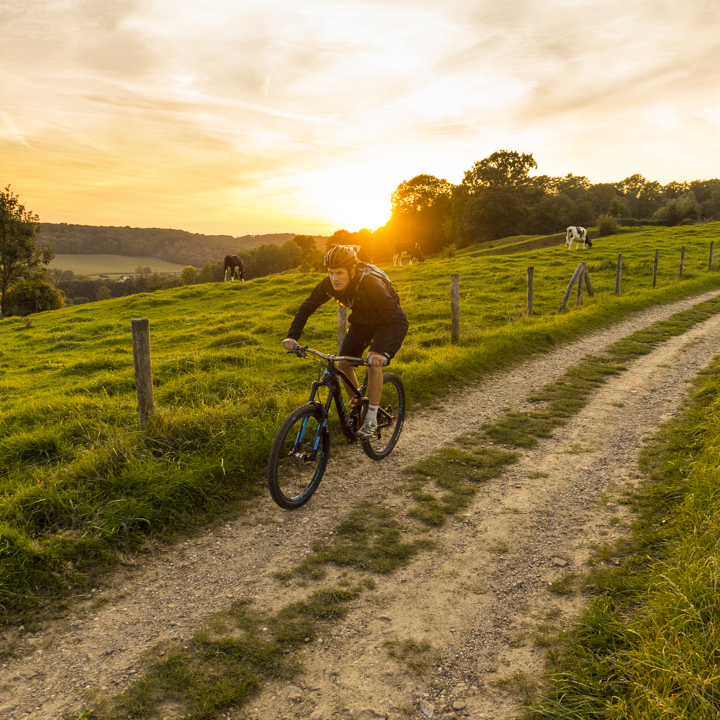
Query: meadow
82	484
95	266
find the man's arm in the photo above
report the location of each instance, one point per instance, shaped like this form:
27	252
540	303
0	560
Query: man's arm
317	297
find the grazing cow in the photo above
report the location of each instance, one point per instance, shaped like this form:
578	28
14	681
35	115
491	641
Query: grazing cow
411	249
234	268
577	235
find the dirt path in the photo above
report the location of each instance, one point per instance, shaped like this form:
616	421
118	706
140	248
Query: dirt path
480	599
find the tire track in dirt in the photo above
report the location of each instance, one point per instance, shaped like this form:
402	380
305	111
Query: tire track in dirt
464	599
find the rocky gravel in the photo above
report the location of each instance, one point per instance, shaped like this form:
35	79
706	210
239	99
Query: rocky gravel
480	602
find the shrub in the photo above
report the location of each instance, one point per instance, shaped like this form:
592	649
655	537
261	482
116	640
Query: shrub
448	251
607	225
679	210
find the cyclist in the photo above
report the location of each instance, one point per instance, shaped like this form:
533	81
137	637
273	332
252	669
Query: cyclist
376	321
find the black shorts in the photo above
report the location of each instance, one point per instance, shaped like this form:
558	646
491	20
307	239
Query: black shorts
382	339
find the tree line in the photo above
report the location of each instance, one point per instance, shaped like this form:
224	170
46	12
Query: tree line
498	197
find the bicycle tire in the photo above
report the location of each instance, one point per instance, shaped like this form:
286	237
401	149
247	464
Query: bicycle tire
391	416
294	471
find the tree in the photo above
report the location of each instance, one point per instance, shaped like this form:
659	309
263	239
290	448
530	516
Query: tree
650	199
309	248
574	186
420	208
675	189
207	274
103	293
501	169
188	276
20	253
632	186
32	294
682	209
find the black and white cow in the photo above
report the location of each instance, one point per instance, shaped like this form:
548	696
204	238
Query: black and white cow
234	268
411	249
577	235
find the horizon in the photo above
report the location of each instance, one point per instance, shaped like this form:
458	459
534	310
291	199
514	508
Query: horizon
264	119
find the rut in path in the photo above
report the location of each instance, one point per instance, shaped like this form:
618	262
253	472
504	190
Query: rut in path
464	599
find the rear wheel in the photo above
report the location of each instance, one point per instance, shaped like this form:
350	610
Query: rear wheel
390	418
298	457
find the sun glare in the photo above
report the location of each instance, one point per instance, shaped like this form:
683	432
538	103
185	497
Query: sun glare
350	199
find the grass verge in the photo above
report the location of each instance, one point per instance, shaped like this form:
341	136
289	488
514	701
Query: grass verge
648	644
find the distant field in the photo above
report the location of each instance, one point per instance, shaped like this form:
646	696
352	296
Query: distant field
95	265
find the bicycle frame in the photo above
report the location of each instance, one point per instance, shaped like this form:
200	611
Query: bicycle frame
332	383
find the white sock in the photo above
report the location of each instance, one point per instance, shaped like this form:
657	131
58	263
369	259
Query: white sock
371	413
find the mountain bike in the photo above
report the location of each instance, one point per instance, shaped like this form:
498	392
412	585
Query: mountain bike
301	448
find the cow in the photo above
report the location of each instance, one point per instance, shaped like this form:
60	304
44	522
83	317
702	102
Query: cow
411	249
577	235
234	268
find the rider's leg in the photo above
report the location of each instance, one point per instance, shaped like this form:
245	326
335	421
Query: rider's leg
375	383
349	370
356	341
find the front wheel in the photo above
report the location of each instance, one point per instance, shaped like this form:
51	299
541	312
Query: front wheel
390	418
298	457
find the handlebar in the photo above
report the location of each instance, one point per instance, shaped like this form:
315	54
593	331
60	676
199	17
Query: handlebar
301	351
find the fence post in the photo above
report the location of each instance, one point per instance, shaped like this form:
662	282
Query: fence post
530	274
143	368
577	275
682	260
712	245
341	325
586	277
455	307
657	254
581	279
618	275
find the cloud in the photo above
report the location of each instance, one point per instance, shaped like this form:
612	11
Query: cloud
226	107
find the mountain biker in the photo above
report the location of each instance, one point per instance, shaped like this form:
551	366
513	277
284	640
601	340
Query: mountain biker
376	321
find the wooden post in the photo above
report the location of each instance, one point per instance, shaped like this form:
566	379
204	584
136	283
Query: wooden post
455	307
577	275
588	285
712	245
581	279
143	368
530	274
657	254
618	275
341	325
682	260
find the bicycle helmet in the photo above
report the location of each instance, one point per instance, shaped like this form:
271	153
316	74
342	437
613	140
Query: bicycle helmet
340	256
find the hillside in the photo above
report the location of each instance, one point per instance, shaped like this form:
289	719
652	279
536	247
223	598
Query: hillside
175	246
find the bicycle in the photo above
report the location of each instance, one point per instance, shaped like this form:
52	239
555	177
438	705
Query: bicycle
301	448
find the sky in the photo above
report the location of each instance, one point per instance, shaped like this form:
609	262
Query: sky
260	116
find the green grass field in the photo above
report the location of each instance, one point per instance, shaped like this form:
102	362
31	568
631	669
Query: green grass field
81	483
94	266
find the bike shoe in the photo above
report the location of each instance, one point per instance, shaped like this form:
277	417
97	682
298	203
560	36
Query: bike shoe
368	429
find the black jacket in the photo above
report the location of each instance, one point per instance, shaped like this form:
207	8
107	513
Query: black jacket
372	302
